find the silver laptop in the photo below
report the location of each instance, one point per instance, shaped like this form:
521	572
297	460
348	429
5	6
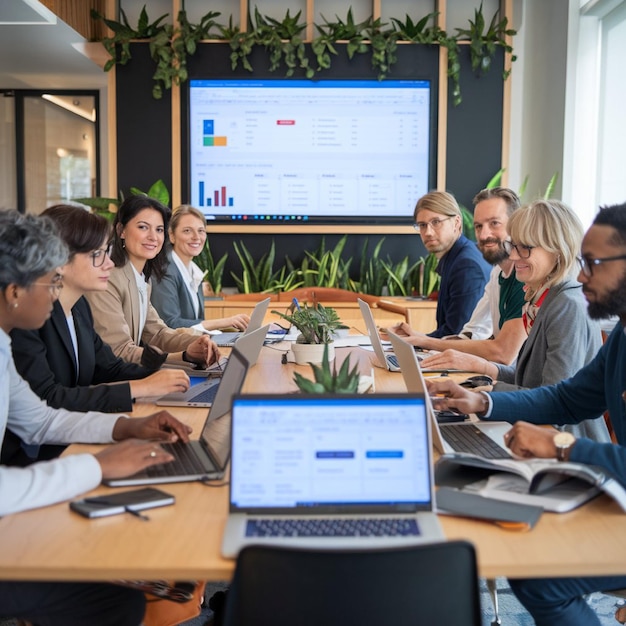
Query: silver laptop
206	458
330	471
207	392
481	438
226	340
388	361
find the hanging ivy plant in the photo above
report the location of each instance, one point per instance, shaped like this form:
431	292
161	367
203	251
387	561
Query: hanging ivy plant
484	40
118	45
170	45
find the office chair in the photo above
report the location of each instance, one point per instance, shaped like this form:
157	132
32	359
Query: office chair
429	585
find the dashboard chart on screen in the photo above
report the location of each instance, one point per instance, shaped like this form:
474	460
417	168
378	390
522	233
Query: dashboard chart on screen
301	151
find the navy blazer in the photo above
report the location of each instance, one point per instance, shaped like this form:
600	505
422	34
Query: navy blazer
45	359
464	274
172	300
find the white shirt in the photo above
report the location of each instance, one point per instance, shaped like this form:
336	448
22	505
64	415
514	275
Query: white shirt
192	277
142	288
485	320
34	421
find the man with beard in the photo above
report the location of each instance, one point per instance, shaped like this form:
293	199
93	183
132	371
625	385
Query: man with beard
463	271
598	386
498	314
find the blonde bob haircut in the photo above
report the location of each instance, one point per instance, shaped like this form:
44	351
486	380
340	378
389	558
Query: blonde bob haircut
440	202
185	209
553	226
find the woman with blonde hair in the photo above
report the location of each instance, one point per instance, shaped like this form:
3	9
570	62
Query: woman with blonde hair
546	236
177	295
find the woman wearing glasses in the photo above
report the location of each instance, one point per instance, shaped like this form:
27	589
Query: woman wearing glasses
546	236
65	362
30	255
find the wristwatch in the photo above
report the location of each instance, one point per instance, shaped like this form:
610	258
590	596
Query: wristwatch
563	441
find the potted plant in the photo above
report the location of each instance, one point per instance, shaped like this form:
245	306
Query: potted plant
316	325
345	380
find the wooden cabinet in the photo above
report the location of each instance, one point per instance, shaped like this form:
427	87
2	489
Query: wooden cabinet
420	314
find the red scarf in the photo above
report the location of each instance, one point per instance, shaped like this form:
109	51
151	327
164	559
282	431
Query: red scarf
530	310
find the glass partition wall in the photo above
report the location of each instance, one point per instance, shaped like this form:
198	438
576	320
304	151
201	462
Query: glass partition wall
56	148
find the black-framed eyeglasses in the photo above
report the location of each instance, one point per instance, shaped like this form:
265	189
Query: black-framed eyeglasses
98	256
523	252
587	264
434	224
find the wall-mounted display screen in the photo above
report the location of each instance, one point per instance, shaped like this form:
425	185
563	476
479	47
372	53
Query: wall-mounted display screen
301	151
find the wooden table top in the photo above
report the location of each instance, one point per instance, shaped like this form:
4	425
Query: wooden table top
183	541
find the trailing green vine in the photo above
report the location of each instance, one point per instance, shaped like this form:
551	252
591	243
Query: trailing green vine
171	45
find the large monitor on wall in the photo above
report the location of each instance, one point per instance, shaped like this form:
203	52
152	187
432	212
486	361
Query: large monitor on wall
342	149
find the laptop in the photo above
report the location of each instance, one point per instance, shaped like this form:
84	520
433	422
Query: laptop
206	458
227	340
330	471
481	438
484	439
206	392
388	361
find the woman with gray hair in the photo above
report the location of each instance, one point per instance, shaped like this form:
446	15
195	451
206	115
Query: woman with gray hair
546	236
30	256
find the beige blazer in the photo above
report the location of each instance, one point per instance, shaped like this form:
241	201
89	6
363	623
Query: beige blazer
116	315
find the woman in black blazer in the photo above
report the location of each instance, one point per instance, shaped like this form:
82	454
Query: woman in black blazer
66	362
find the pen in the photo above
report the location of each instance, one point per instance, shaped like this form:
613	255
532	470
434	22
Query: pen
101	502
296	304
141	516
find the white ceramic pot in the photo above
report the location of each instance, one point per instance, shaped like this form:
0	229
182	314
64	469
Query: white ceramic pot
311	352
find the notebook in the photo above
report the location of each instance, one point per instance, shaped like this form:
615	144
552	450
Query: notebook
482	438
206	393
226	340
206	458
388	361
330	471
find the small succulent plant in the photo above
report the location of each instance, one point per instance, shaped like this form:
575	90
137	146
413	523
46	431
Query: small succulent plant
345	380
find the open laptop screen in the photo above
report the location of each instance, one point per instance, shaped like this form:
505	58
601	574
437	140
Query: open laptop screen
362	452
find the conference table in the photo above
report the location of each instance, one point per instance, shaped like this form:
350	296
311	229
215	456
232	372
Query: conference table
182	542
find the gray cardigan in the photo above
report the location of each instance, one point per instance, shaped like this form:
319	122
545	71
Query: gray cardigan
562	340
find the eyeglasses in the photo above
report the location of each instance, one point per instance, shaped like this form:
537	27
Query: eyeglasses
523	252
434	224
54	288
587	264
98	256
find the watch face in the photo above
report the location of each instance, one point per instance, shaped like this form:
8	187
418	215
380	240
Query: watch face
564	440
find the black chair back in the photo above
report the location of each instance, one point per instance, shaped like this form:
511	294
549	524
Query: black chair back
429	585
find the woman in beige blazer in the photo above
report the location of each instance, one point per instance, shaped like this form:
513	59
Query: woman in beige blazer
123	315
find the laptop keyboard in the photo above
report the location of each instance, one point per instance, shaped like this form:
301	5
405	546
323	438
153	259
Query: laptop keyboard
185	462
340	527
465	438
208	395
392	360
226	340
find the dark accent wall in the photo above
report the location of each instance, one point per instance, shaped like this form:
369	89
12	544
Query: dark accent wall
144	146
